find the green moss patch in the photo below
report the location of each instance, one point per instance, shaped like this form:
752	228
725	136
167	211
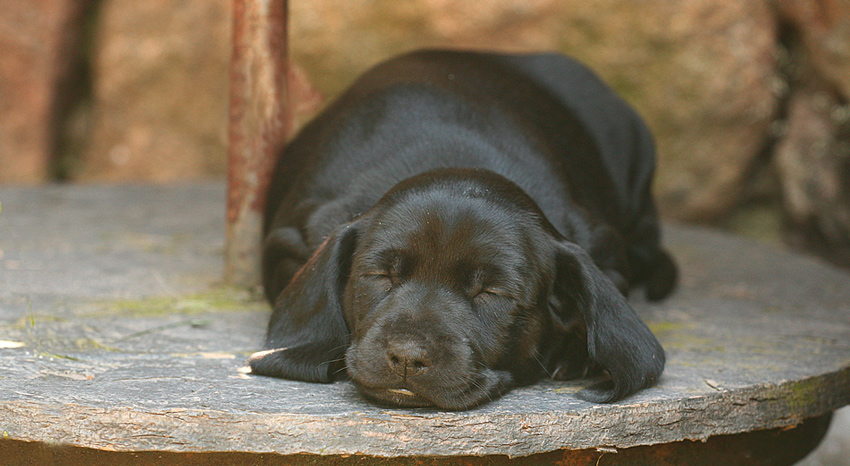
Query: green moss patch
223	299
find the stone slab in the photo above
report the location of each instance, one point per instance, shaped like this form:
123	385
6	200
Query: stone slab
115	336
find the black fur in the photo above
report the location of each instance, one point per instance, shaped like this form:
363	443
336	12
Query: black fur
459	223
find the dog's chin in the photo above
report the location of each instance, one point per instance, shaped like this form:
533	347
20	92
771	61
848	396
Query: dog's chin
486	386
394	397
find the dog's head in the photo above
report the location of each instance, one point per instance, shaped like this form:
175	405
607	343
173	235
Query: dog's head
451	289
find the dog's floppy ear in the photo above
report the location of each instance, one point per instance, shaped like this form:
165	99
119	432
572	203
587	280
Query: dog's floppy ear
307	335
617	339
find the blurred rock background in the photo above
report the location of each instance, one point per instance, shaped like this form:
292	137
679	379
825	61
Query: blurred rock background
748	99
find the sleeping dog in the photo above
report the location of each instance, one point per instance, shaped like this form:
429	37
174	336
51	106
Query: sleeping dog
459	223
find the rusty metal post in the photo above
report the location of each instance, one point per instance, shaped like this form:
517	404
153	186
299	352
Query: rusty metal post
258	126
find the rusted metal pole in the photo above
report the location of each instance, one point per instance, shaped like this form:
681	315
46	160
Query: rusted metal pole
258	127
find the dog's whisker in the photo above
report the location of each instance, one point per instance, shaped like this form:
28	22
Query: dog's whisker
543	366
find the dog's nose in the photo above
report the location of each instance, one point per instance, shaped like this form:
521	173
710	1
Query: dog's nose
407	358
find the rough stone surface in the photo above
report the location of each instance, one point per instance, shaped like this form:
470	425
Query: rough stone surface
112	339
34	39
160	90
812	155
824	27
813	161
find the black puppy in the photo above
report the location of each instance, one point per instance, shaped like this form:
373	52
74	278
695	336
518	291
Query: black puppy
459	223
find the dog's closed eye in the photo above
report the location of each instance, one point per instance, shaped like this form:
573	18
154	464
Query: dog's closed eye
382	279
